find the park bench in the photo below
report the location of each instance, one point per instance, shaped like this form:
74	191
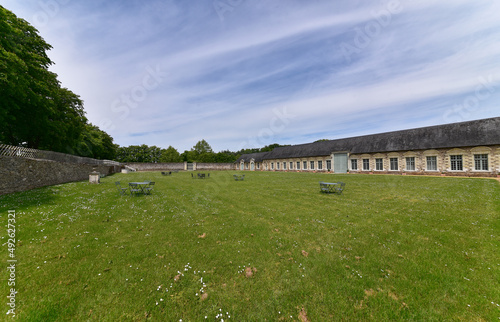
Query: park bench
238	177
332	187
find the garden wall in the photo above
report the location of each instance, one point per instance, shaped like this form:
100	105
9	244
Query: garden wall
181	166
215	166
20	174
156	166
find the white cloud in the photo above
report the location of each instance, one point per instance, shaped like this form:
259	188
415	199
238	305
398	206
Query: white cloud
223	79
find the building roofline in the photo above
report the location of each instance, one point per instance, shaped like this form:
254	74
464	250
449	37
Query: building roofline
482	132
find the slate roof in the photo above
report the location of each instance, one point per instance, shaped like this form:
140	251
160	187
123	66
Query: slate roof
258	157
455	135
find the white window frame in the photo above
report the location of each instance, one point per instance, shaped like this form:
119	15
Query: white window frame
410	164
354	164
366	165
456	162
482	159
379	164
394	164
431	160
311	164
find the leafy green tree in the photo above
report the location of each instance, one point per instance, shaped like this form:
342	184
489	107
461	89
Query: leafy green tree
95	143
34	110
67	122
170	155
187	156
139	153
201	152
225	157
27	87
202	147
270	147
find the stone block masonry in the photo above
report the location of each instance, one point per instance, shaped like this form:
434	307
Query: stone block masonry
172	166
181	166
21	174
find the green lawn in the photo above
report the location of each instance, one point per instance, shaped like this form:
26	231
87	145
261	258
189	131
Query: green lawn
269	247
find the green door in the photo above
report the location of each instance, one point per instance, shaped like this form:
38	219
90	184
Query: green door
340	162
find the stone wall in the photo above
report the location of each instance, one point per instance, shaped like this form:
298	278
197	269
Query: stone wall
21	174
215	166
156	166
181	166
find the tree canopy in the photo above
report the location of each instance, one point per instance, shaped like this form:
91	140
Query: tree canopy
35	111
200	152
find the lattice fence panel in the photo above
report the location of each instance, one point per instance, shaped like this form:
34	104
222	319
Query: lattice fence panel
21	152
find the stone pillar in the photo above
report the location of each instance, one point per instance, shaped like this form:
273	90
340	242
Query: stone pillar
94	177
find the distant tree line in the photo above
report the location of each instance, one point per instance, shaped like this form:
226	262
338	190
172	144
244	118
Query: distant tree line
35	110
200	152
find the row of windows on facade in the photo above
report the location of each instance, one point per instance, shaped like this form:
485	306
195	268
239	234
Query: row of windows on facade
456	164
304	165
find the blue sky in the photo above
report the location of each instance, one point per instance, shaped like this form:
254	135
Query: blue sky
248	73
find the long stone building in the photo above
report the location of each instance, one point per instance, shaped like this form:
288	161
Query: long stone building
460	149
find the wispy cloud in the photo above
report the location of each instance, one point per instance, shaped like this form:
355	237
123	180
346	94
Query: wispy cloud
340	68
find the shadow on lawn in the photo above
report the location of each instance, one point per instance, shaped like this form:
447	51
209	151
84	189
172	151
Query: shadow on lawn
26	199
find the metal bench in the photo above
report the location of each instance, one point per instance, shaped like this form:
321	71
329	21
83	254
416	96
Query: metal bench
238	178
332	187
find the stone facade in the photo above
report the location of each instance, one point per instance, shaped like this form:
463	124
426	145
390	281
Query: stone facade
460	149
20	174
480	161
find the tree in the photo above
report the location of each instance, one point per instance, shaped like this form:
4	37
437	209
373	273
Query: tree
67	122
201	152
202	147
225	157
139	153
27	87
35	111
95	143
170	155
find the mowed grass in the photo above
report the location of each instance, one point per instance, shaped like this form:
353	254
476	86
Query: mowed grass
269	247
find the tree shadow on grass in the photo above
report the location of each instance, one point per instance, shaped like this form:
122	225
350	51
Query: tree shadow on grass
30	198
